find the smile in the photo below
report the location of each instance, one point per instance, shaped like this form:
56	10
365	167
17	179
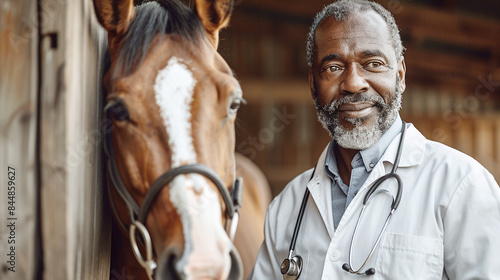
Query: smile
357	110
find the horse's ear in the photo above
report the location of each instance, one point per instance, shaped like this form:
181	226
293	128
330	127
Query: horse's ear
214	15
115	15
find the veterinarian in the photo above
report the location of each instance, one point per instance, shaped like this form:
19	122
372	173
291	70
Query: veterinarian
383	202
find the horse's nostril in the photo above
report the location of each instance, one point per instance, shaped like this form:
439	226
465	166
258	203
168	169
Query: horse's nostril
236	271
167	268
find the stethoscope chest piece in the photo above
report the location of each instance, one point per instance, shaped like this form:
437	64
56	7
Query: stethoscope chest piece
291	268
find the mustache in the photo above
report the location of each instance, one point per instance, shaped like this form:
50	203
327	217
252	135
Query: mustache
353	98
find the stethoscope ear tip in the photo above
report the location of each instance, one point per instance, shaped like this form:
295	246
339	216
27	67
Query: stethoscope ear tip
347	268
370	271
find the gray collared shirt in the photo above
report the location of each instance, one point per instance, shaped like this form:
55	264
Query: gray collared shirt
362	164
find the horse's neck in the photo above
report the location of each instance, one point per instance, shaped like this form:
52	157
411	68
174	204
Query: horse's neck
123	262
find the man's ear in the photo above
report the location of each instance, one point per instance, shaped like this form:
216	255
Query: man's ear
115	15
402	74
214	15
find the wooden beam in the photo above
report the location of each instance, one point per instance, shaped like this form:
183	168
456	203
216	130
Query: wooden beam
291	7
423	22
405	12
418	21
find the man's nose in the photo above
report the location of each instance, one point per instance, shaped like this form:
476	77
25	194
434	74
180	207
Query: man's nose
354	81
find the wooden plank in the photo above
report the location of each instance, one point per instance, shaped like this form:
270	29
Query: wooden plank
91	238
496	128
304	135
484	137
76	229
496	168
427	63
18	112
486	143
466	30
57	257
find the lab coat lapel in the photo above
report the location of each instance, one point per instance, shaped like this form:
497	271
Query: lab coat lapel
320	188
413	150
412	154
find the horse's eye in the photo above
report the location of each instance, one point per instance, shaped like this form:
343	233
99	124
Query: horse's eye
118	110
235	105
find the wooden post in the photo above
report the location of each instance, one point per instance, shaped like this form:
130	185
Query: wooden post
18	112
75	225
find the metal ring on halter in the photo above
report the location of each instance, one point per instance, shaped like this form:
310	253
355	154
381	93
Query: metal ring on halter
148	264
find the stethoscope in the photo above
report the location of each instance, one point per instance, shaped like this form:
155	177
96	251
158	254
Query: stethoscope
291	267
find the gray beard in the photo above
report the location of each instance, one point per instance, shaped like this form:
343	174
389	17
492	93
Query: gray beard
361	136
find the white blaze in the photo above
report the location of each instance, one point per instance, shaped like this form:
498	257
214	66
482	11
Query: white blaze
174	89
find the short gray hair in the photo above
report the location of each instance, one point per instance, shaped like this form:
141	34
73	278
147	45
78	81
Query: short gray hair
343	8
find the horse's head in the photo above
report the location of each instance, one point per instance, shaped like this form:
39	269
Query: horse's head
172	100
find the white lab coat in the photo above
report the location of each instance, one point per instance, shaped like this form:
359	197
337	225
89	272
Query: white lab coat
447	225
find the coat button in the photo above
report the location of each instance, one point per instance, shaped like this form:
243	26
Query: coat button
334	255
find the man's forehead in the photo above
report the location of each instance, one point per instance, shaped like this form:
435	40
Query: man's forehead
367	28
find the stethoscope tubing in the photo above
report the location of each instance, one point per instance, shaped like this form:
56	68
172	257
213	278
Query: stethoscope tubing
374	246
394	206
299	219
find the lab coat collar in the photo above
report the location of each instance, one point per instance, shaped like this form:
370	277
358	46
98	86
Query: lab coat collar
413	150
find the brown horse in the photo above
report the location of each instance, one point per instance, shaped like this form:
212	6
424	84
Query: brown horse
172	100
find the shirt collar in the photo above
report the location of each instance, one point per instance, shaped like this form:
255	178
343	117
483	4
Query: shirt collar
369	157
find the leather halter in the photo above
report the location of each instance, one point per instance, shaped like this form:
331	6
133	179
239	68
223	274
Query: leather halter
138	214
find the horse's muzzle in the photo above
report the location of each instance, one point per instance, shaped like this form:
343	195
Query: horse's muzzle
168	270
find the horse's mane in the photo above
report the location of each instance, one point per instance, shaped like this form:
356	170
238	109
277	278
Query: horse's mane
153	18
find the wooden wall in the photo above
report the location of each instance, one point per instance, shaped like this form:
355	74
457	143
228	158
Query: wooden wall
453	75
51	126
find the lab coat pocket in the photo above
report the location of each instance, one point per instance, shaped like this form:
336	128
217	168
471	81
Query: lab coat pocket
409	257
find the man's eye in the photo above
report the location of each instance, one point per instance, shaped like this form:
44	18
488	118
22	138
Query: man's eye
374	64
333	68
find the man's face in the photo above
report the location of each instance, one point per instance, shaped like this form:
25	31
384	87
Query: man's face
355	79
